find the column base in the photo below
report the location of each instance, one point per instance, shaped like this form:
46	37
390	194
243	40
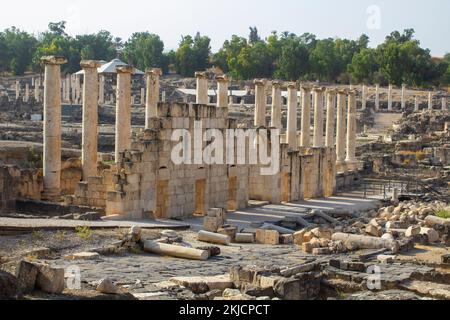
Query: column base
354	165
341	166
51	195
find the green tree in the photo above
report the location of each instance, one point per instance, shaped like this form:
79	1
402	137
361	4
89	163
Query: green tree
16	50
364	65
253	36
145	50
193	54
293	61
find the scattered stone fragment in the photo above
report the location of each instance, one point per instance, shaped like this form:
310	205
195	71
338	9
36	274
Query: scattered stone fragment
210	237
245	238
83	256
269	237
50	279
25	272
9	286
107	286
386	258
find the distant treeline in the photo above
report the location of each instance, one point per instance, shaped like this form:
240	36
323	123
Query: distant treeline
287	56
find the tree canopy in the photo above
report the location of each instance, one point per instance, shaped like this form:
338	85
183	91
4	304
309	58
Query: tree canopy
287	56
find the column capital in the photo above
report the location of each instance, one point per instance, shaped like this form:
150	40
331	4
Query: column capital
276	83
292	85
318	89
343	92
154	72
90	64
305	87
331	91
53	60
201	75
125	69
222	79
260	82
352	92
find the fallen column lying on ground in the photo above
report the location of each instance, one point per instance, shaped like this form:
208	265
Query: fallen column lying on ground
211	237
175	251
432	221
353	242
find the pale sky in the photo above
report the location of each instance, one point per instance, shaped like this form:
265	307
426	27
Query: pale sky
219	19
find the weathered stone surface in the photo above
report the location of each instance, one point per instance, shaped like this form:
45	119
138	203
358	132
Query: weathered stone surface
412	231
107	286
25	273
9	286
204	284
83	256
433	235
269	237
50	279
302	287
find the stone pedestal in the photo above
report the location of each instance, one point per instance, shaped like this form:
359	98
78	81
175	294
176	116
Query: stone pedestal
152	99
351	128
222	91
292	116
260	102
306	116
318	117
276	105
52	127
90	119
341	127
331	113
123	110
202	88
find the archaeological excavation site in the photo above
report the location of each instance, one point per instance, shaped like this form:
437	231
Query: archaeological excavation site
125	180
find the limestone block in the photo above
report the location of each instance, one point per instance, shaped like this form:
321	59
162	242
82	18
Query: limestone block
245	238
50	280
228	231
211	224
269	237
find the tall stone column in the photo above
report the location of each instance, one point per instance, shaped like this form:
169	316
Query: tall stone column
222	91
123	110
390	98
260	102
17	88
430	101
351	128
364	97
306	116
101	93
331	112
142	97
277	102
377	97
292	116
403	96
341	127
90	119
27	92
444	103
68	83
152	99
52	127
416	104
163	96
318	117
37	89
202	88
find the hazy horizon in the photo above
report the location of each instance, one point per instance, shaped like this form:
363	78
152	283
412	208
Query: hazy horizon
221	19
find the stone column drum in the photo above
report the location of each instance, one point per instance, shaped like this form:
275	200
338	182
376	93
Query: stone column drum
306	116
277	102
318	117
292	116
90	119
123	110
152	98
331	113
341	127
202	88
260	102
222	91
430	101
351	128
52	127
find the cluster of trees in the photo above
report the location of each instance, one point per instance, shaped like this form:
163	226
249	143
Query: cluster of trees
399	59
